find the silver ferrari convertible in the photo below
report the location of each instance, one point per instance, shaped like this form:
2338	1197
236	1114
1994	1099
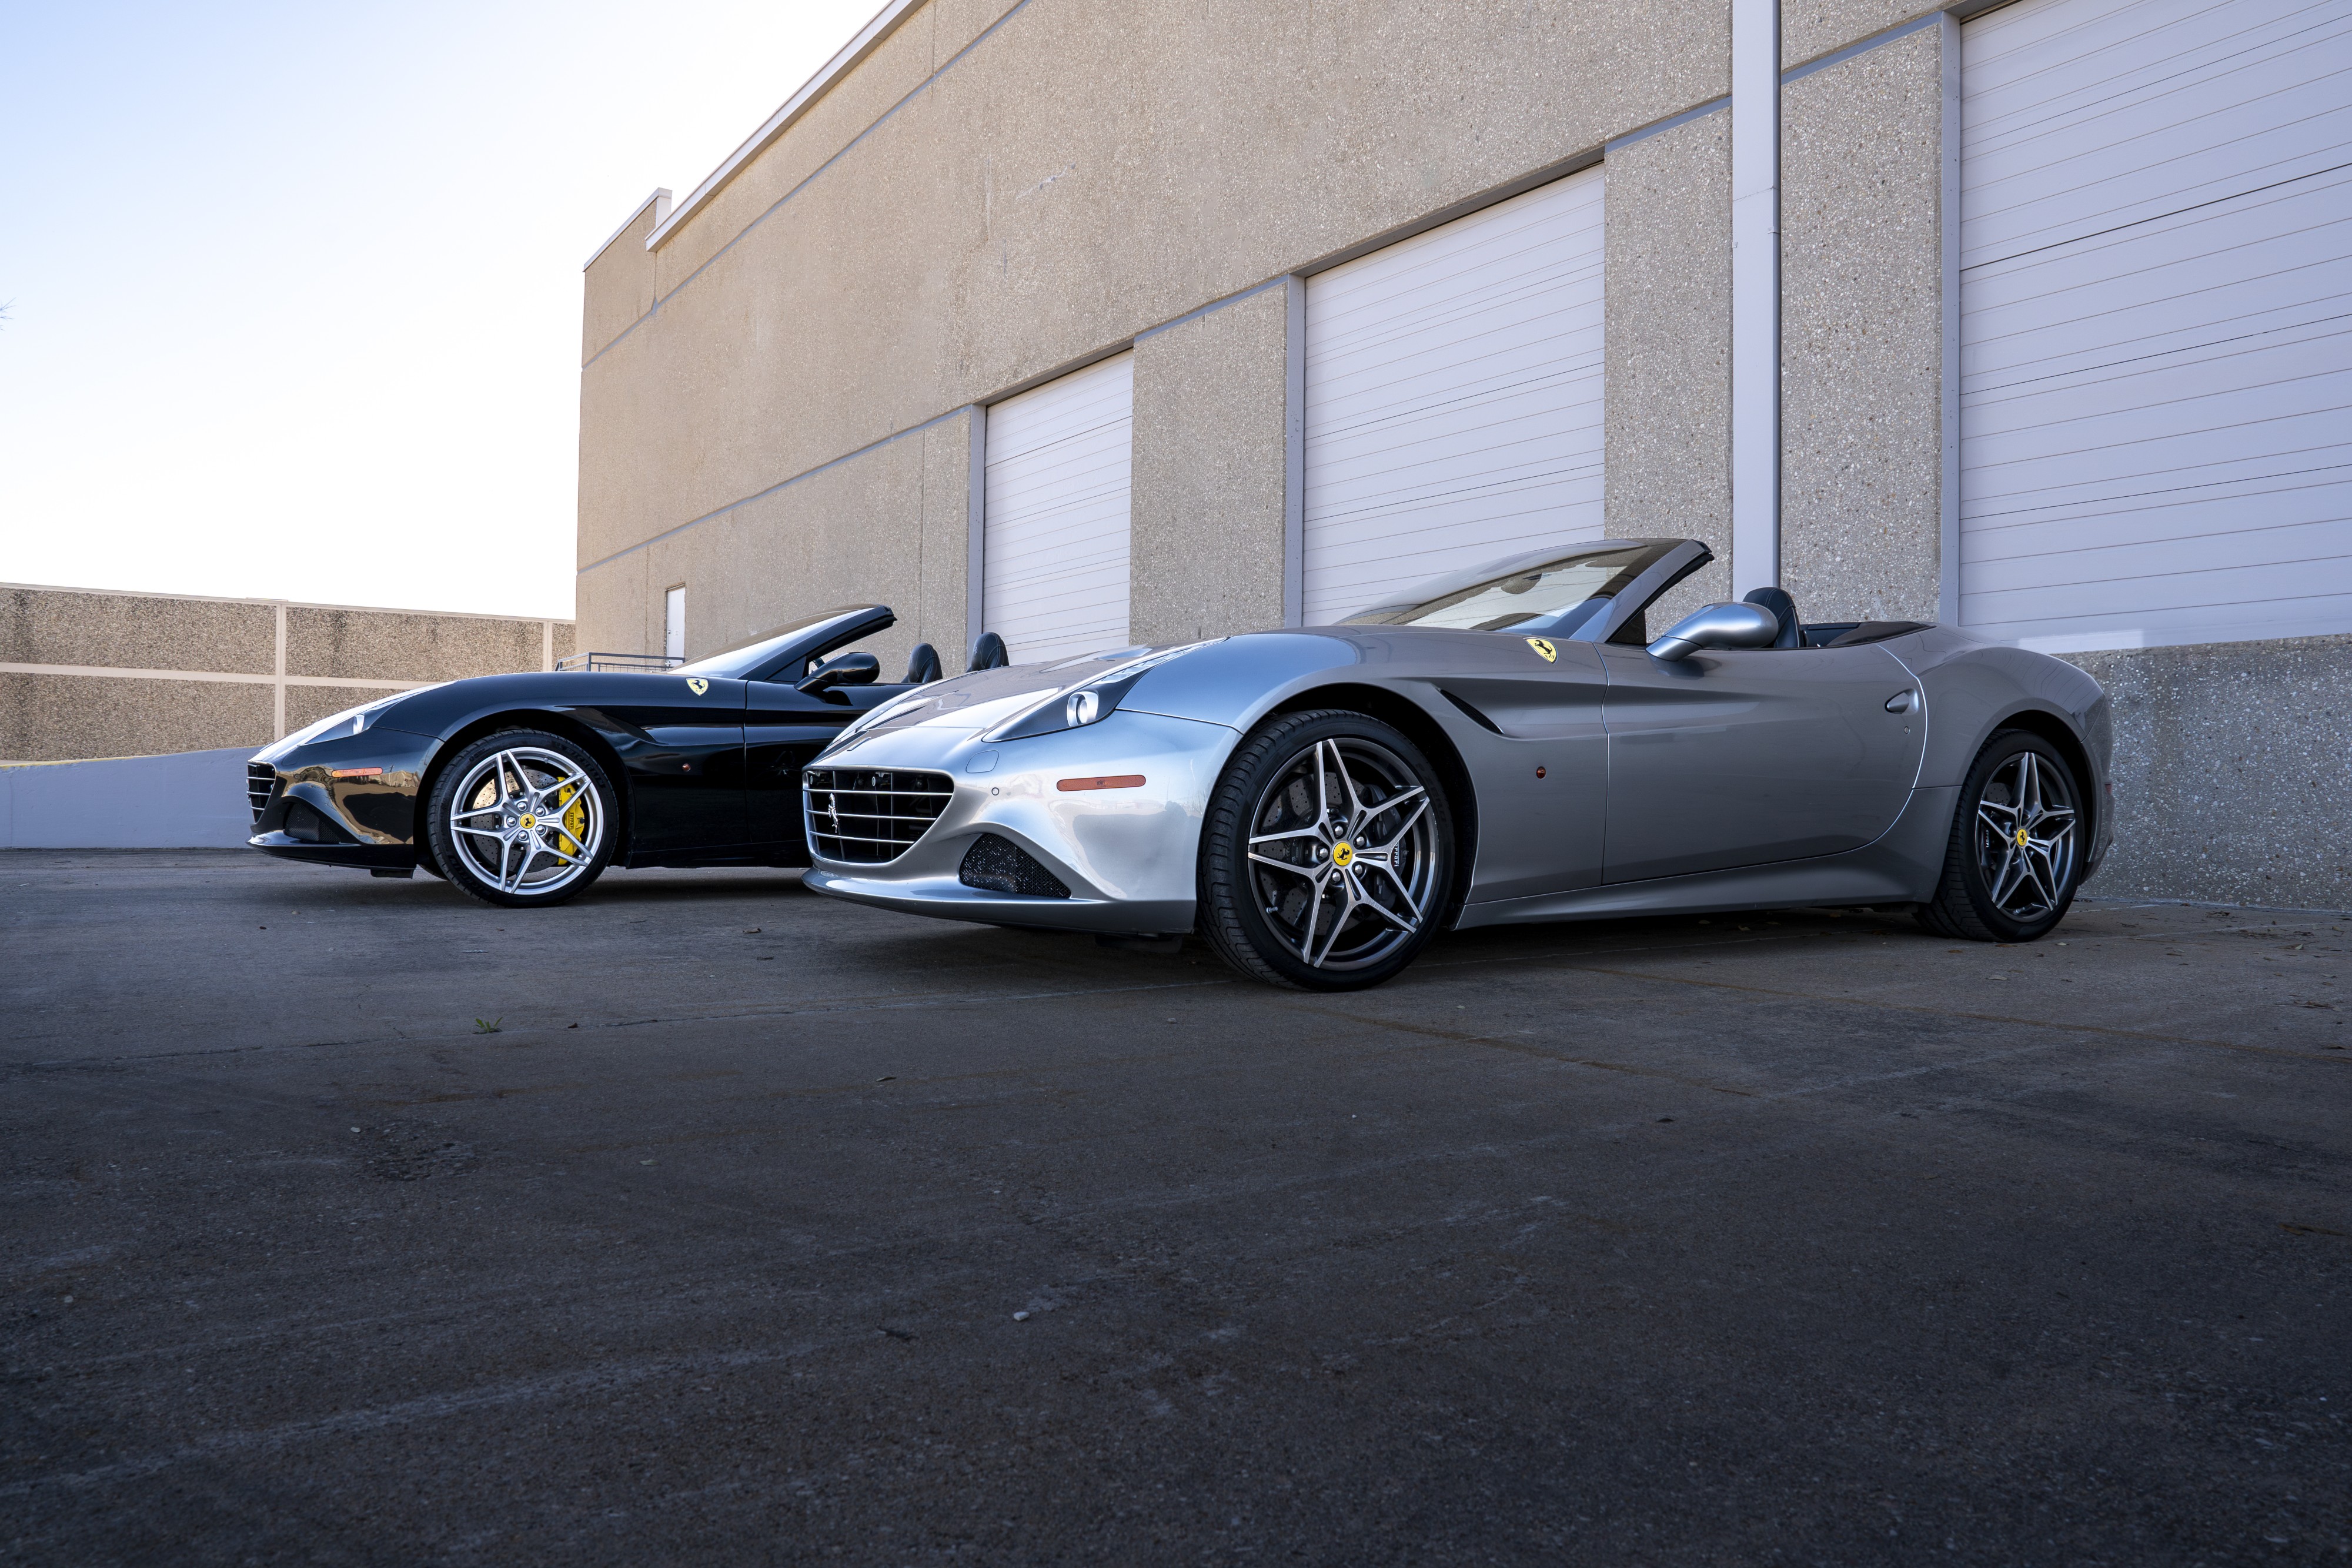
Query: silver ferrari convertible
1510	744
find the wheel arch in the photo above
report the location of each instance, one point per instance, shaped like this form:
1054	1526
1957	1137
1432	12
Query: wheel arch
564	725
1414	722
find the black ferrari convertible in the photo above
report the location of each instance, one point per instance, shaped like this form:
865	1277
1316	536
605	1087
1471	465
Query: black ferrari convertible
522	788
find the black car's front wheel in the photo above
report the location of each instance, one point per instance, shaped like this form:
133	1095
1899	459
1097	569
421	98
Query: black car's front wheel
2015	855
522	818
1328	852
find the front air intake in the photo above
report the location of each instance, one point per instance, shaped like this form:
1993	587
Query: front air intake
998	865
870	816
260	779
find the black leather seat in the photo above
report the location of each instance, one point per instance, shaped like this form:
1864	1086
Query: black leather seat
1777	600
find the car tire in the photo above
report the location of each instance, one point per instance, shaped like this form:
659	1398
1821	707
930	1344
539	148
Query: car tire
2015	856
1290	890
488	828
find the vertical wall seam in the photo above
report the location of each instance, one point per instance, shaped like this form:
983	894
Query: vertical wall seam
1755	369
1293	453
975	525
1947	583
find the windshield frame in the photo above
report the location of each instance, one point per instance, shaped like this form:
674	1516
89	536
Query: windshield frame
796	642
1618	601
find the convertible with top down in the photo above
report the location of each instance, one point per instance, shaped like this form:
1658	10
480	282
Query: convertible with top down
522	788
1505	745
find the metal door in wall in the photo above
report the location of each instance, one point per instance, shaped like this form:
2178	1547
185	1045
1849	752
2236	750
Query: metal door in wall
1053	552
2155	395
1453	397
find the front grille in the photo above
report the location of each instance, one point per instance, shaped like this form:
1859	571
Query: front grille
870	816
999	865
261	779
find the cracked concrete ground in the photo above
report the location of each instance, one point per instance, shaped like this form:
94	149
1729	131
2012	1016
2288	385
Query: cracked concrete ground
765	1228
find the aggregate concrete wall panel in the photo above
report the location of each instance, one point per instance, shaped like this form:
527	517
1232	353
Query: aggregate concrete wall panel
1083	175
136	631
1862	334
938	615
1668	440
617	604
46	718
851	533
1811	28
619	285
2230	776
1210	447
383	645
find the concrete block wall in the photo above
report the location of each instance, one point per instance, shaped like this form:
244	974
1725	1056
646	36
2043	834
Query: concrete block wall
87	673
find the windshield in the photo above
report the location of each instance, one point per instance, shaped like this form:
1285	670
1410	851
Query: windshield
737	664
1558	594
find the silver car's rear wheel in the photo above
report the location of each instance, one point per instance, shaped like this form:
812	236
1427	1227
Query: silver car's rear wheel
1326	860
522	818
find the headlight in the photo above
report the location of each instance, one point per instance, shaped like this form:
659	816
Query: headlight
350	721
1088	702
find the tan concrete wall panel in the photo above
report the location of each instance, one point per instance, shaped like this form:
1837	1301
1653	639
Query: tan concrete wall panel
617	606
1085	173
2230	777
385	645
1811	28
939	616
1207	520
618	285
1668	303
1862	314
136	631
56	718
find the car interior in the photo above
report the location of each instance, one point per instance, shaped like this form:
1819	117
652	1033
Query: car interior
1795	634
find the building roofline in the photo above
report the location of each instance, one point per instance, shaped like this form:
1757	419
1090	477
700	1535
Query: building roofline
868	39
658	201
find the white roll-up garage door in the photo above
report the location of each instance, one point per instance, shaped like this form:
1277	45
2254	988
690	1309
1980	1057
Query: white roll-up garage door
2155	405
1453	397
1053	548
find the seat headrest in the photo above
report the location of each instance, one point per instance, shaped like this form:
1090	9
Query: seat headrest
1777	600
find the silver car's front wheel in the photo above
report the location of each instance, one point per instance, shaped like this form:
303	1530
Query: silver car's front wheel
1326	860
522	818
2015	855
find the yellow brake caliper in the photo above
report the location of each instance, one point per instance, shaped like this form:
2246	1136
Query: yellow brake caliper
574	818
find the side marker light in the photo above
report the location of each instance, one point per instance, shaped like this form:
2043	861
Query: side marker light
357	772
1117	781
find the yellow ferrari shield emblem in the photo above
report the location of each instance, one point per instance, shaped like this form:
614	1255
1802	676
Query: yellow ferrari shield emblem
1343	855
2024	839
696	685
1544	648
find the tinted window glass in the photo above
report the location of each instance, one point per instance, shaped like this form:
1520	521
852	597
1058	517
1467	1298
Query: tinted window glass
736	663
1556	595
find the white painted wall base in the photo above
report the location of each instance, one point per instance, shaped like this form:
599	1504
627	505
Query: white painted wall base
184	801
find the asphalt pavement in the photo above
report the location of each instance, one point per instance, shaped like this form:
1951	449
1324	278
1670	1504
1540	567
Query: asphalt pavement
705	1221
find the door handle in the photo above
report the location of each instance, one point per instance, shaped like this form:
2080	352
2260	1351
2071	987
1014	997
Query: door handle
1903	702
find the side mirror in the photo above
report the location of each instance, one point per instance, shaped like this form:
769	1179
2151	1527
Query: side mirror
848	670
1719	626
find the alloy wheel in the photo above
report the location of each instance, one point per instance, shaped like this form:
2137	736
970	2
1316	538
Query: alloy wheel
1343	853
2025	840
526	820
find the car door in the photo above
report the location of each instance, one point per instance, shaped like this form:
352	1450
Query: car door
1744	757
680	742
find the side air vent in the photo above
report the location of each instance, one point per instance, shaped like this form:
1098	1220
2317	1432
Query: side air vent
1480	719
999	865
260	779
868	816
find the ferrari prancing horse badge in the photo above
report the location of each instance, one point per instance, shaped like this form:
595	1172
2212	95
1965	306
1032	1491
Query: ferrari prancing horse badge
1544	648
698	685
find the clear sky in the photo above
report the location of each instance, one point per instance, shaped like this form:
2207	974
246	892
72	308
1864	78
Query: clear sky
294	289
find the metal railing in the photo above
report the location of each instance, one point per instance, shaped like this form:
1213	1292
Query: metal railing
618	661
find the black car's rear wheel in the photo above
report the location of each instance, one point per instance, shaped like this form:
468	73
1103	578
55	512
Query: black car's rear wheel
522	818
1327	854
2015	855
